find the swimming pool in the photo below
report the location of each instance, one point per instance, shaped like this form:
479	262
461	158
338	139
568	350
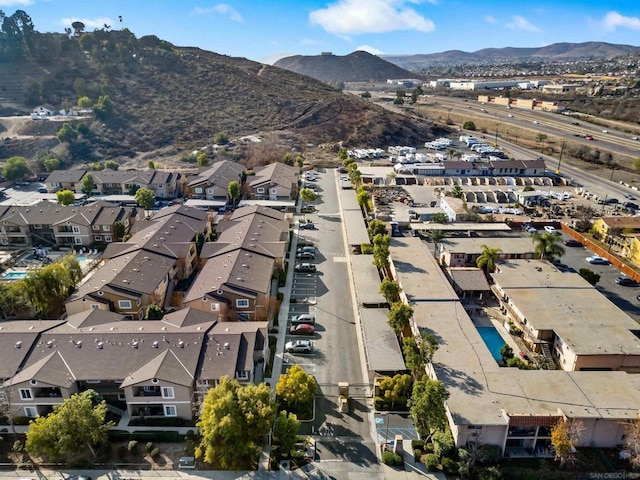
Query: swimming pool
81	258
14	275
493	340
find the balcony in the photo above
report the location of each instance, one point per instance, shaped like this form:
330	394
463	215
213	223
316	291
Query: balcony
52	392
151	410
146	392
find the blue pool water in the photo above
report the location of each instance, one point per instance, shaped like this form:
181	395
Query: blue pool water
493	340
14	275
81	258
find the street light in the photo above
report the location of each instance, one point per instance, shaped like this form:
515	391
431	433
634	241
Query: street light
497	125
386	433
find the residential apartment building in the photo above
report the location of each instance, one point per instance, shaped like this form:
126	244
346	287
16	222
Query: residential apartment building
213	183
159	368
50	224
65	180
275	181
463	252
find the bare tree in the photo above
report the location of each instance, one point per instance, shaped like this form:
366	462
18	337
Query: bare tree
632	442
6	408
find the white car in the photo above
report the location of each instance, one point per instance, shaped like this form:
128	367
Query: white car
304	318
550	229
299	346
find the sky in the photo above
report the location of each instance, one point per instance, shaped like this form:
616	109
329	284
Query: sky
266	30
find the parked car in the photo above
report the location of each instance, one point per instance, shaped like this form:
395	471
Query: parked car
310	178
305	267
597	260
42	190
625	281
308	209
550	229
306	255
299	346
308	226
309	249
530	228
302	329
572	242
304	318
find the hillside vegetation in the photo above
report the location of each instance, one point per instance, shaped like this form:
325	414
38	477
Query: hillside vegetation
149	95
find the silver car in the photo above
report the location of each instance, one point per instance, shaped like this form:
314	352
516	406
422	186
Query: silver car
299	346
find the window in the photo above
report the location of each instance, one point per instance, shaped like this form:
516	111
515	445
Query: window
38	227
98	238
215	307
30	412
25	394
95	306
198	190
274	190
124	304
148	388
242	303
260	190
243	375
209	191
107	238
96	227
170	411
106	228
167	392
75	229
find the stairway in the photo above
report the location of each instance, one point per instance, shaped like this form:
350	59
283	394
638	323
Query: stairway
546	352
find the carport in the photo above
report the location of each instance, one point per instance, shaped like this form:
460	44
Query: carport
366	281
381	344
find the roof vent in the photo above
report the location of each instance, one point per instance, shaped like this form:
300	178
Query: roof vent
33	382
154	380
181	344
100	292
50	343
18	344
220	292
79	344
226	346
134	344
155	344
100	345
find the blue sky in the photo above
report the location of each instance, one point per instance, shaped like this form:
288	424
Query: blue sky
265	30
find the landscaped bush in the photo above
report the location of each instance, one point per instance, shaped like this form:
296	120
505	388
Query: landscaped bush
392	459
449	466
490	454
417	444
366	249
428	448
155	452
431	461
149	446
443	444
132	446
417	454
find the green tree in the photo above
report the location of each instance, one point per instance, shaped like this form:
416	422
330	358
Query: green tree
440	217
88	184
202	160
565	435
67	134
51	164
151	165
363	199
96	166
469	125
119	230
436	236
48	287
307	196
12	299
65	197
589	275
234	192
396	388
399	317
456	191
296	388
487	260
343	154
381	245
220	139
111	165
636	163
547	245
145	198
418	353
427	407
234	423
390	290
355	177
78	423
506	352
85	102
288	159
285	431
154	312
366	94
103	108
15	169
376	227
300	161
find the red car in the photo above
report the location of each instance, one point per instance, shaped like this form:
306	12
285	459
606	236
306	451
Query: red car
302	329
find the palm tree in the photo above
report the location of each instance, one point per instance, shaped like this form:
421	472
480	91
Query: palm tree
436	236
547	245
488	258
456	191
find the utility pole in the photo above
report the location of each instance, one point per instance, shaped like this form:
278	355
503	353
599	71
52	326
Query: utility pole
560	159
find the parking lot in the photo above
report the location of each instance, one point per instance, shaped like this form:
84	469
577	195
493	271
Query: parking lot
621	296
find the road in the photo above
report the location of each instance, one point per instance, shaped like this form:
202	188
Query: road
336	356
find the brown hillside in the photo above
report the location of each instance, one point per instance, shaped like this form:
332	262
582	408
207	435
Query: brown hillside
166	96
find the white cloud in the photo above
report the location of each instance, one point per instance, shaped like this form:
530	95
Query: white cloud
489	19
220	9
353	17
370	49
11	3
88	22
613	20
520	23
